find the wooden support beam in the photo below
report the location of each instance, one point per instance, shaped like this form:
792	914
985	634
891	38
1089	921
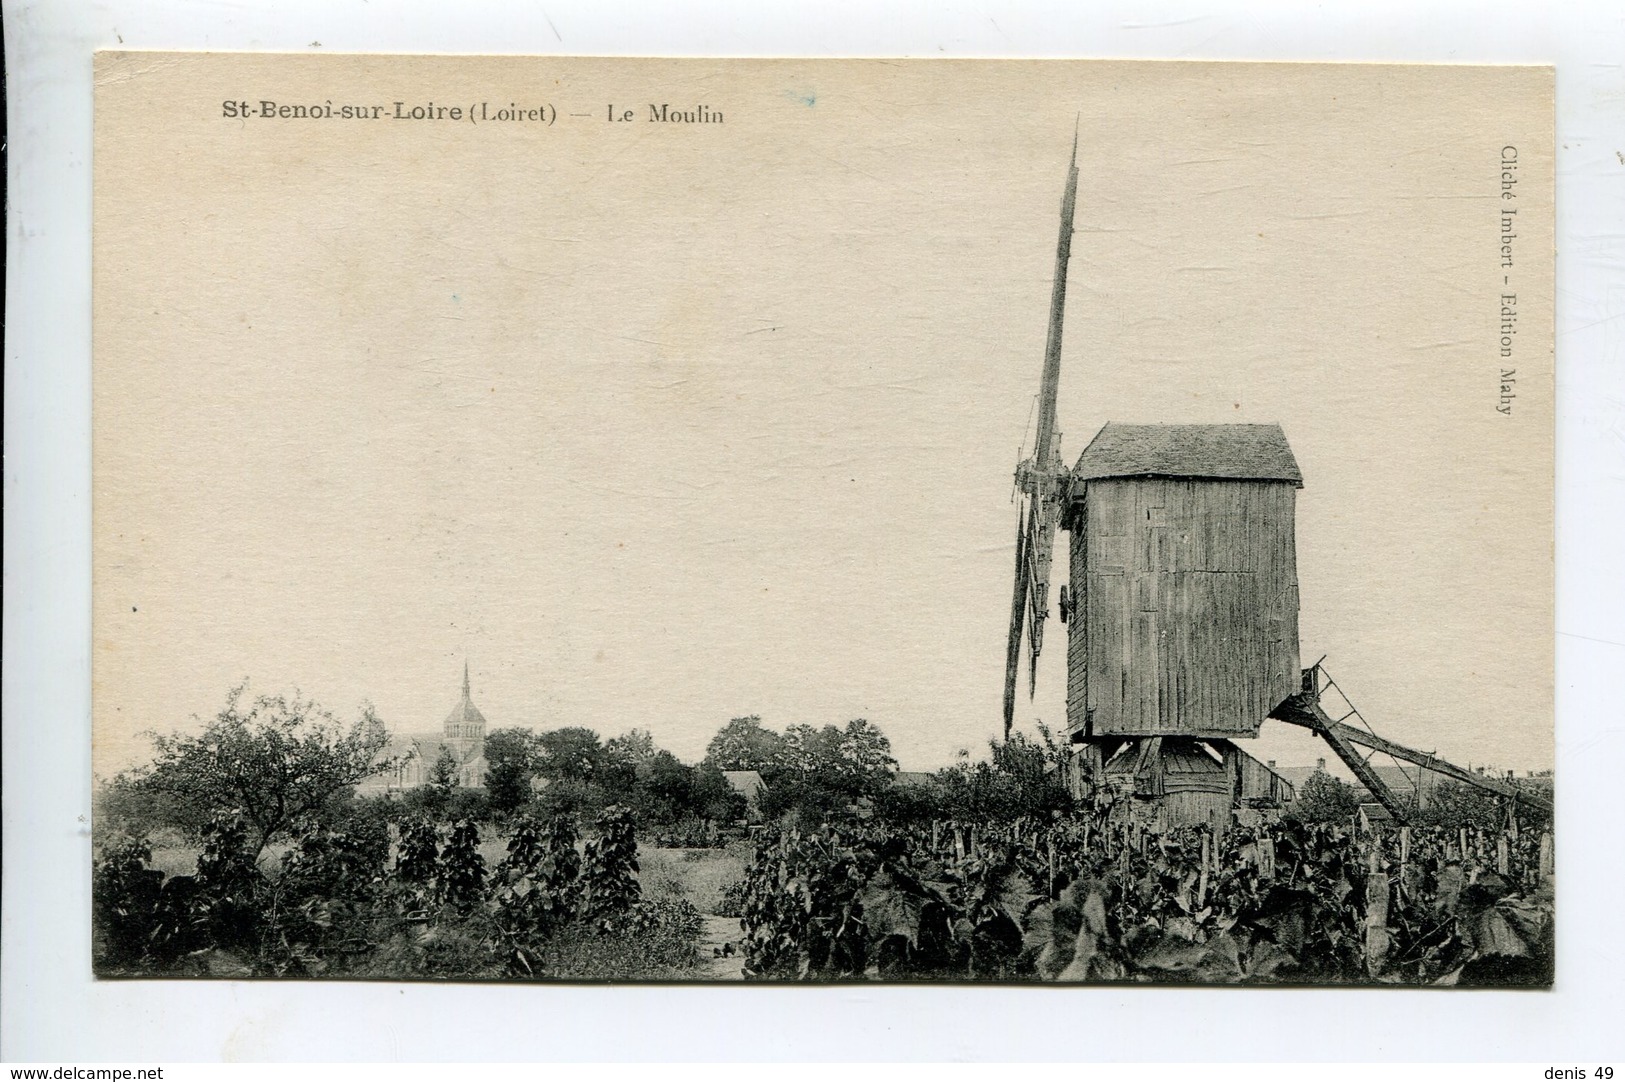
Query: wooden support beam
1201	888
1329	731
1305	710
1148	767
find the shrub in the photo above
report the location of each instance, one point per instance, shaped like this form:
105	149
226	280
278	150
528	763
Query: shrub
462	869
1324	799
580	800
416	863
124	902
676	917
733	900
610	881
536	888
691	833
450	947
470	804
229	885
646	941
126	807
323	899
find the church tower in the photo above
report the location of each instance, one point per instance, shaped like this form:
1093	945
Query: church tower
465	726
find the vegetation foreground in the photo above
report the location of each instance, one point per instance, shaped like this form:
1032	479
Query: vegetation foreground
1076	899
989	871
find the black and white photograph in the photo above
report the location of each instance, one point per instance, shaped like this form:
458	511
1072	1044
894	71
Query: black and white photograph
679	520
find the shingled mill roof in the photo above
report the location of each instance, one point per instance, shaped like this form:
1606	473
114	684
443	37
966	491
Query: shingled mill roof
1232	452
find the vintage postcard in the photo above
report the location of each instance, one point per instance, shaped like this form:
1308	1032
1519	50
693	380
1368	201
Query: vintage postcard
710	520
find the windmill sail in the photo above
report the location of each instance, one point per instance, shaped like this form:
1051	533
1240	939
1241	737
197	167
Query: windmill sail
1018	615
1040	479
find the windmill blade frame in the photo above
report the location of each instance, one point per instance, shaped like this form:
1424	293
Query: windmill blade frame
1042	480
1018	617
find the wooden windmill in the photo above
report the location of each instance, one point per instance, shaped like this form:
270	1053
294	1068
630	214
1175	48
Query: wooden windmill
1182	609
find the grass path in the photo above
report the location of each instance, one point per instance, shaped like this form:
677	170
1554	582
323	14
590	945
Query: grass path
700	876
718	931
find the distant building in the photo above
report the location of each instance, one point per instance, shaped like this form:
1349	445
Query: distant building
1297	775
1413	785
413	755
750	785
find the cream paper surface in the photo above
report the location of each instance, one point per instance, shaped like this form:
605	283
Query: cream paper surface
657	423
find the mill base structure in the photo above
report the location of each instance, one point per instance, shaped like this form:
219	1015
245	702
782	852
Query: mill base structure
1166	783
1163	783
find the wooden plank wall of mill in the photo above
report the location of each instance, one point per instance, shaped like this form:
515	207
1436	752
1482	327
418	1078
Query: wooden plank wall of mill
1187	606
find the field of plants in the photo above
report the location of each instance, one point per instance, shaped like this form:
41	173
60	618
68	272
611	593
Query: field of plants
1074	898
337	904
989	870
1080	899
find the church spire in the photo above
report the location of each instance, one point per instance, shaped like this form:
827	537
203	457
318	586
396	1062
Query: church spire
465	727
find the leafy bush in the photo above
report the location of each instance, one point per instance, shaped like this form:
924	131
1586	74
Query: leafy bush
1454	805
229	885
322	901
692	833
461	874
1085	900
129	807
334	909
664	950
124	902
1324	799
674	917
610	880
733	900
580	800
417	865
536	888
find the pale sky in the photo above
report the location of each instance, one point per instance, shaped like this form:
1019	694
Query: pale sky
657	425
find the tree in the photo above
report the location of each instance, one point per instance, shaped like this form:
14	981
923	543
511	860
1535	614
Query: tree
128	805
808	751
1324	799
631	749
1456	804
743	744
664	788
1020	777
852	760
714	798
1021	759
819	772
443	778
570	754
511	757
623	757
273	760
866	753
